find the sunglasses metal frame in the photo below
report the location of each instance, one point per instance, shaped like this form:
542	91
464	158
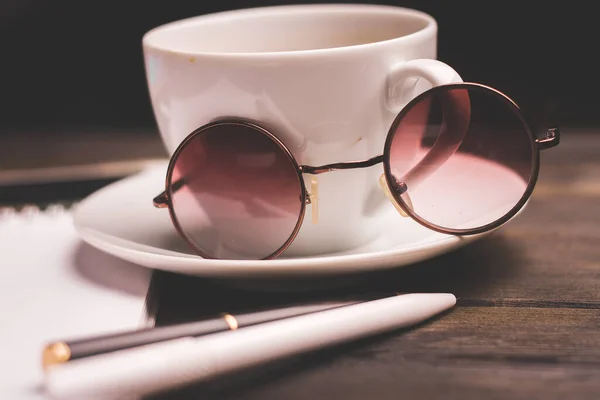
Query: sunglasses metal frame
551	138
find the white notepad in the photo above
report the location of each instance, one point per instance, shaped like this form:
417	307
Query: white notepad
54	286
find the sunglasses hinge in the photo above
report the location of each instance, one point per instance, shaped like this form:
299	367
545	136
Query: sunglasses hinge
307	169
161	201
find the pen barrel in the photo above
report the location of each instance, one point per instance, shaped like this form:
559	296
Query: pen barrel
75	349
87	348
180	362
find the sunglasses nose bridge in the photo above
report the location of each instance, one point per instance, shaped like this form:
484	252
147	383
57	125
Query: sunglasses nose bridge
312	197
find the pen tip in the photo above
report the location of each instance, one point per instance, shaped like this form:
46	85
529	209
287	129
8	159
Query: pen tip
55	353
451	298
447	298
437	301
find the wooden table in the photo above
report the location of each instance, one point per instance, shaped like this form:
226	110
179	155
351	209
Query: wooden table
527	323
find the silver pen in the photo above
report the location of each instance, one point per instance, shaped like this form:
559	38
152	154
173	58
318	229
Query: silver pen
168	365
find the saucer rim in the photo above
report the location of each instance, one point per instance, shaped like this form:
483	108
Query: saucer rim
325	264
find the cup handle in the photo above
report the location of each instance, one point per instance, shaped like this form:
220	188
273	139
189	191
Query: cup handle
405	83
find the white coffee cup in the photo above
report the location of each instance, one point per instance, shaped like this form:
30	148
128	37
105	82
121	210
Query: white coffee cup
328	81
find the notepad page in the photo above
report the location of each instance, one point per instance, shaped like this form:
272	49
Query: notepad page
53	286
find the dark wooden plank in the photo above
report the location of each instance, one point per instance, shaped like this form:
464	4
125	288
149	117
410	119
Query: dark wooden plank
527	324
63	167
423	381
509	335
468	353
28	150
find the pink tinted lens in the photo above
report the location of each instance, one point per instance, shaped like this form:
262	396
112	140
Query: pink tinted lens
462	156
235	193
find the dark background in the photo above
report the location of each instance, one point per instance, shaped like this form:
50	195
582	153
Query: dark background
77	65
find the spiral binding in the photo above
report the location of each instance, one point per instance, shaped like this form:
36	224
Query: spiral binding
30	211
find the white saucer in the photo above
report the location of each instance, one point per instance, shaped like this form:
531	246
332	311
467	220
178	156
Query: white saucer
121	220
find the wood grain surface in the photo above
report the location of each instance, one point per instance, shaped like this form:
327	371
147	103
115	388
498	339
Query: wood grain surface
527	323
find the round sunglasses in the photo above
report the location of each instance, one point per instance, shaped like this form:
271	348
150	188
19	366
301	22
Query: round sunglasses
459	159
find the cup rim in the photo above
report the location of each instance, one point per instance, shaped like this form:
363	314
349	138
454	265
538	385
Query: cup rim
149	41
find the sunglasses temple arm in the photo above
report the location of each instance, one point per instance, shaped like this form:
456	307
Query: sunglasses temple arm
550	139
